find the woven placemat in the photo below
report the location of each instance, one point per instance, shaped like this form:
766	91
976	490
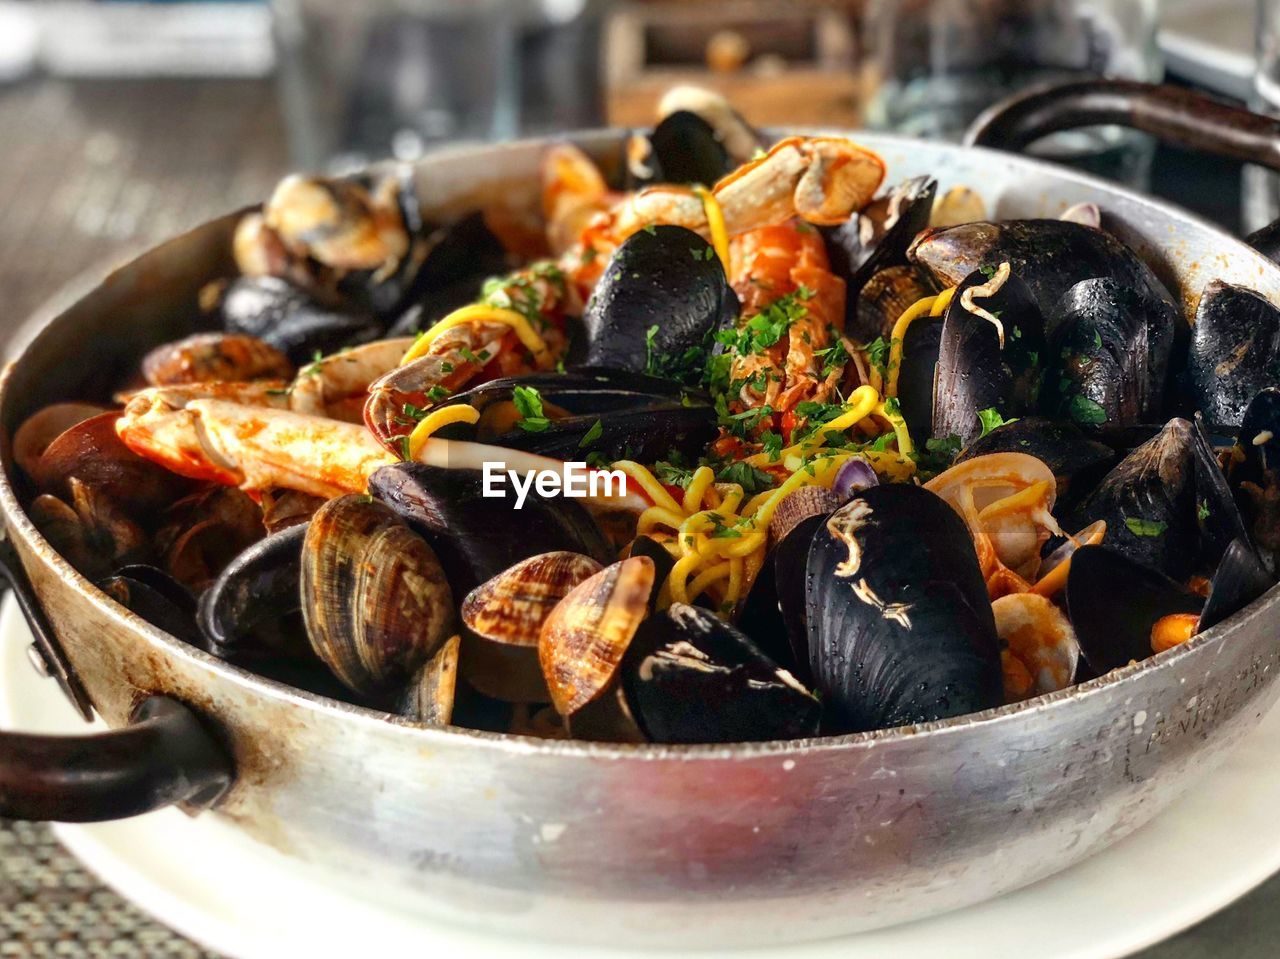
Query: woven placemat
51	907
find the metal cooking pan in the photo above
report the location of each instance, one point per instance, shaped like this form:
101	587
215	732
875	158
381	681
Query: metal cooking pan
714	845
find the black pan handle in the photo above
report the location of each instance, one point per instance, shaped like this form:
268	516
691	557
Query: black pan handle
164	756
1171	114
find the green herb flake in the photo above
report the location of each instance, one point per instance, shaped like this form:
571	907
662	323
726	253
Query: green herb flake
593	434
751	479
528	404
991	419
1139	526
772	443
437	393
1085	411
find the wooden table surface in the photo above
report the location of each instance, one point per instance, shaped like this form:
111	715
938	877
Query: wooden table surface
89	174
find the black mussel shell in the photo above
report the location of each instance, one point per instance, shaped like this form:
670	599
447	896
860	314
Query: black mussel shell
1240	579
685	149
878	236
477	537
1149	503
920	349
663	563
1077	461
690	677
459	257
1109	355
774	614
899	621
252	607
616	414
294	321
1217	513
386	293
662	296
974	373
1050	256
157	598
1114	601
1256	473
1234	352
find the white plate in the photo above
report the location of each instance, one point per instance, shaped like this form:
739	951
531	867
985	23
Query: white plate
244	899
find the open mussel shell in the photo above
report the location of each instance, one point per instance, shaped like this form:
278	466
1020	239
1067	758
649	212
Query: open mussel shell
1109	355
974	371
1076	460
458	258
877	237
1114	602
478	536
921	346
662	296
1050	256
614	413
157	598
582	645
1255	474
1148	502
251	608
1234	352
1167	504
374	597
503	619
900	626
1240	578
690	677
295	321
430	694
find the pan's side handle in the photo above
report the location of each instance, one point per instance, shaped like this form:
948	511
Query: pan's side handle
1172	114
164	756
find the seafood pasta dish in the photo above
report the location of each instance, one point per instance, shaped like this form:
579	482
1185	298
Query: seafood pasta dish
739	443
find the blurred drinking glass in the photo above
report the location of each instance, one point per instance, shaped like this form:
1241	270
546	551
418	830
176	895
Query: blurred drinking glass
934	65
1261	186
365	79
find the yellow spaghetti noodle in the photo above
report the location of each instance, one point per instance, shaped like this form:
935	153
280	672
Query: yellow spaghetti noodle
715	224
437	419
478	313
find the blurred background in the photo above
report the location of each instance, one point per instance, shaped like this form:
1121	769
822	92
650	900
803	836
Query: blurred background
123	123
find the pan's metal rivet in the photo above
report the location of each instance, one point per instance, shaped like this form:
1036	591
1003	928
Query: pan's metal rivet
38	662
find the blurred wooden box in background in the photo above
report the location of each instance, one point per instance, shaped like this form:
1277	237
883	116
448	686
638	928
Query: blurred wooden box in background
791	63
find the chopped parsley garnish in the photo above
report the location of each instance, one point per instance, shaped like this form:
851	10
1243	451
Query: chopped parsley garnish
991	419
938	454
751	480
672	474
437	393
815	414
1139	526
834	357
893	408
597	460
414	413
1085	411
878	355
718	528
593	434
1202	511
987	270
528	404
772	443
740	424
